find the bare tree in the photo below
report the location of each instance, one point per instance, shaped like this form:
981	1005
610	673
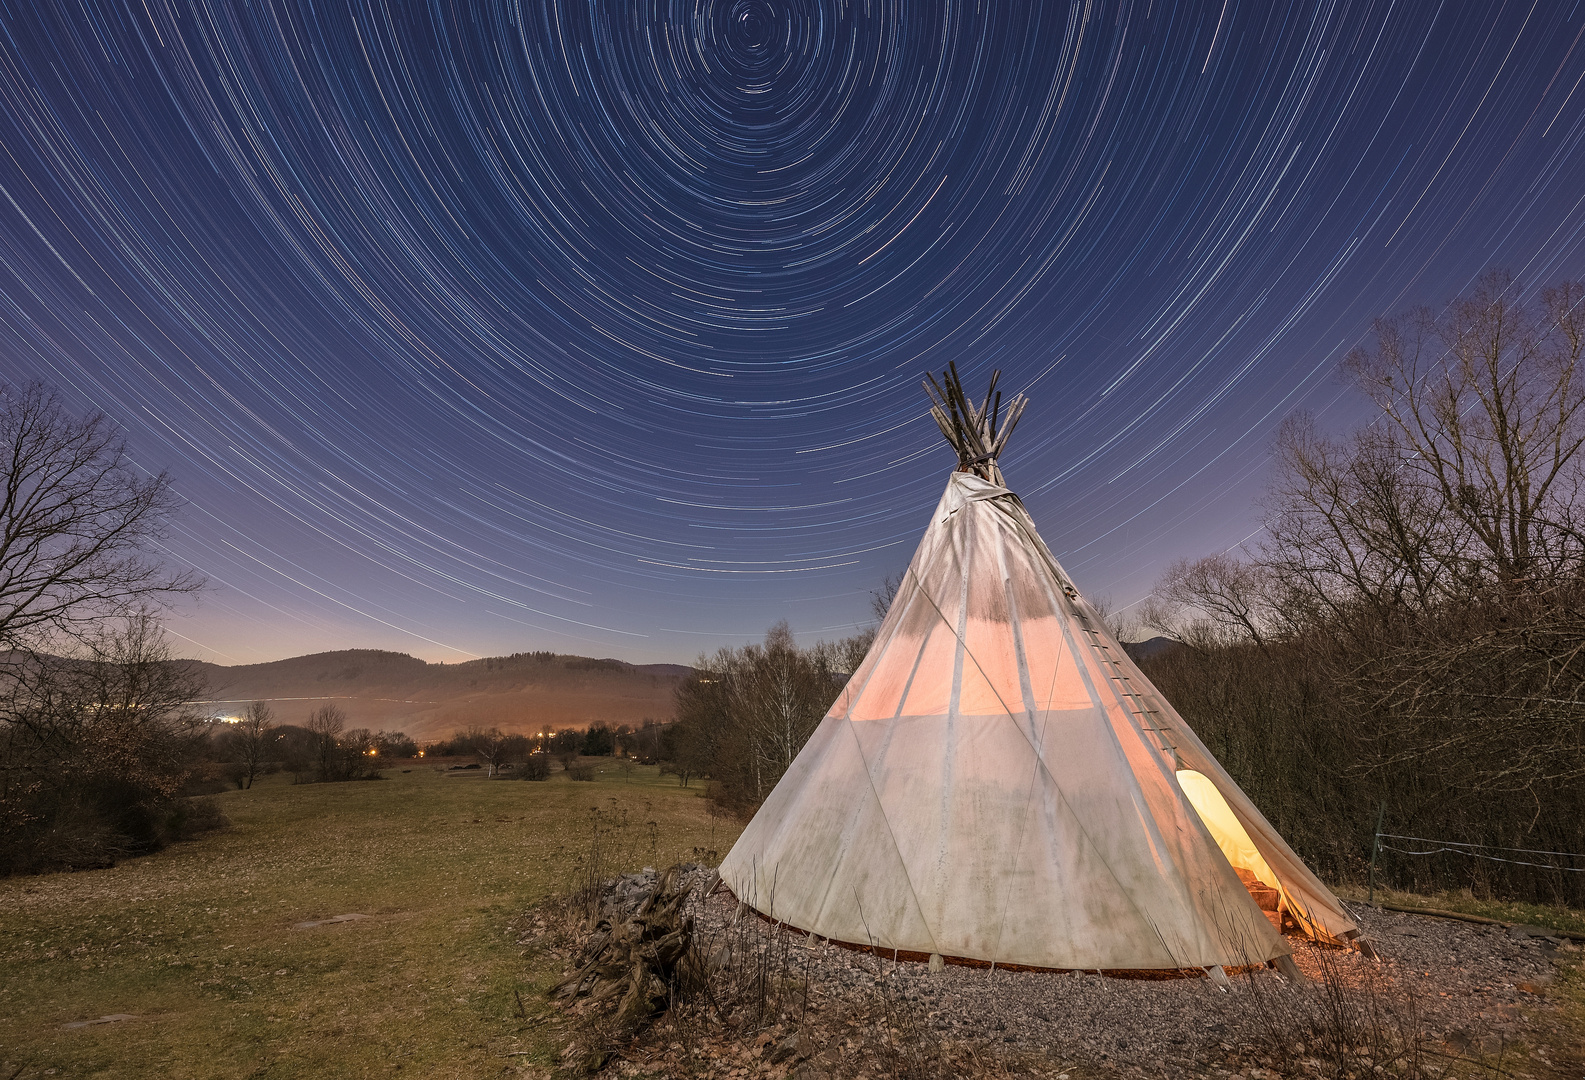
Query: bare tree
1487	400
881	597
750	710
359	755
252	740
326	725
778	696
78	525
1350	524
495	748
1122	625
395	744
1228	591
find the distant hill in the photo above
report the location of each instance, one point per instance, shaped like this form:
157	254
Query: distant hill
1149	648
376	689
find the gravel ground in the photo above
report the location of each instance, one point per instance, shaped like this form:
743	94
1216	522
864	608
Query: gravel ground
1462	987
789	1006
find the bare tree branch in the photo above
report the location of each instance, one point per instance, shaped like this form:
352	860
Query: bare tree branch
78	524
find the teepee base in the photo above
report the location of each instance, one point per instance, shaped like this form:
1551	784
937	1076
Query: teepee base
936	961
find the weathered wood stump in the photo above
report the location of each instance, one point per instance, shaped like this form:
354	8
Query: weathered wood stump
639	953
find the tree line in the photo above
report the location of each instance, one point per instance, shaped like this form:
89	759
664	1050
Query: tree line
747	711
322	750
1408	637
599	739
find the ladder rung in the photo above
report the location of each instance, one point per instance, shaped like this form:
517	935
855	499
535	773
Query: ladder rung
1132	699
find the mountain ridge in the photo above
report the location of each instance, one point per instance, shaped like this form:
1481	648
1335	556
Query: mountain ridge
376	688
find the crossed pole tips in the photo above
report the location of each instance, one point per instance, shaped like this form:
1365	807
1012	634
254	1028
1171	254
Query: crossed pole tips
977	434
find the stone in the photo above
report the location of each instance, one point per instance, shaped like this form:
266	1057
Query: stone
1519	931
354	917
787	1048
113	1018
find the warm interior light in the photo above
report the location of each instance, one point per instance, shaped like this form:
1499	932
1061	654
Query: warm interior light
1224	826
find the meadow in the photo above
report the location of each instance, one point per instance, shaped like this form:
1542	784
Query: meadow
220	959
202	946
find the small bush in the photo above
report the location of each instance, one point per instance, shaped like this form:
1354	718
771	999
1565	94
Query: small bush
207	778
189	817
581	772
537	767
75	836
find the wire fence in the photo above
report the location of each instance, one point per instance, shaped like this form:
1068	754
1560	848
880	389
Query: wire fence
1478	851
1557	862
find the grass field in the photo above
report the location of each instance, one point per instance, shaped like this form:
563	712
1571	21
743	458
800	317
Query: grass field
200	943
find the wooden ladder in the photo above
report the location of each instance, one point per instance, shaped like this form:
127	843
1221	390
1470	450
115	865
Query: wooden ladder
1137	701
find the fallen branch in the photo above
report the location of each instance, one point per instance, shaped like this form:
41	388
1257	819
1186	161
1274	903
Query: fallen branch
1439	913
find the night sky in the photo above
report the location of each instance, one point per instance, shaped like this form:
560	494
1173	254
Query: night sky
467	329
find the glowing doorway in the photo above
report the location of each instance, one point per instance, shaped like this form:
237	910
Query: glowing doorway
1230	836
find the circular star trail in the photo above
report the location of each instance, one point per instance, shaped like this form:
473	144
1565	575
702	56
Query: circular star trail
474	328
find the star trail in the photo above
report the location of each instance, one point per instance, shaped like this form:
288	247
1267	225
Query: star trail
467	329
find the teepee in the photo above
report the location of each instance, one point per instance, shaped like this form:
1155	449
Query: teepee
999	782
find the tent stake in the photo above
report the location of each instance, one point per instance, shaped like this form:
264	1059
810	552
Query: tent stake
1288	969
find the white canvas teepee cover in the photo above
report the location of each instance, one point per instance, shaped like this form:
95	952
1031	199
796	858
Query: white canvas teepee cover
998	783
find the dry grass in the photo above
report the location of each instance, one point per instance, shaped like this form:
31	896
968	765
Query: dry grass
1465	902
199	942
1560	1046
1568	1052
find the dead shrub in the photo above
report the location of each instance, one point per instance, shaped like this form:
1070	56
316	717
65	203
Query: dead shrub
1347	1025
